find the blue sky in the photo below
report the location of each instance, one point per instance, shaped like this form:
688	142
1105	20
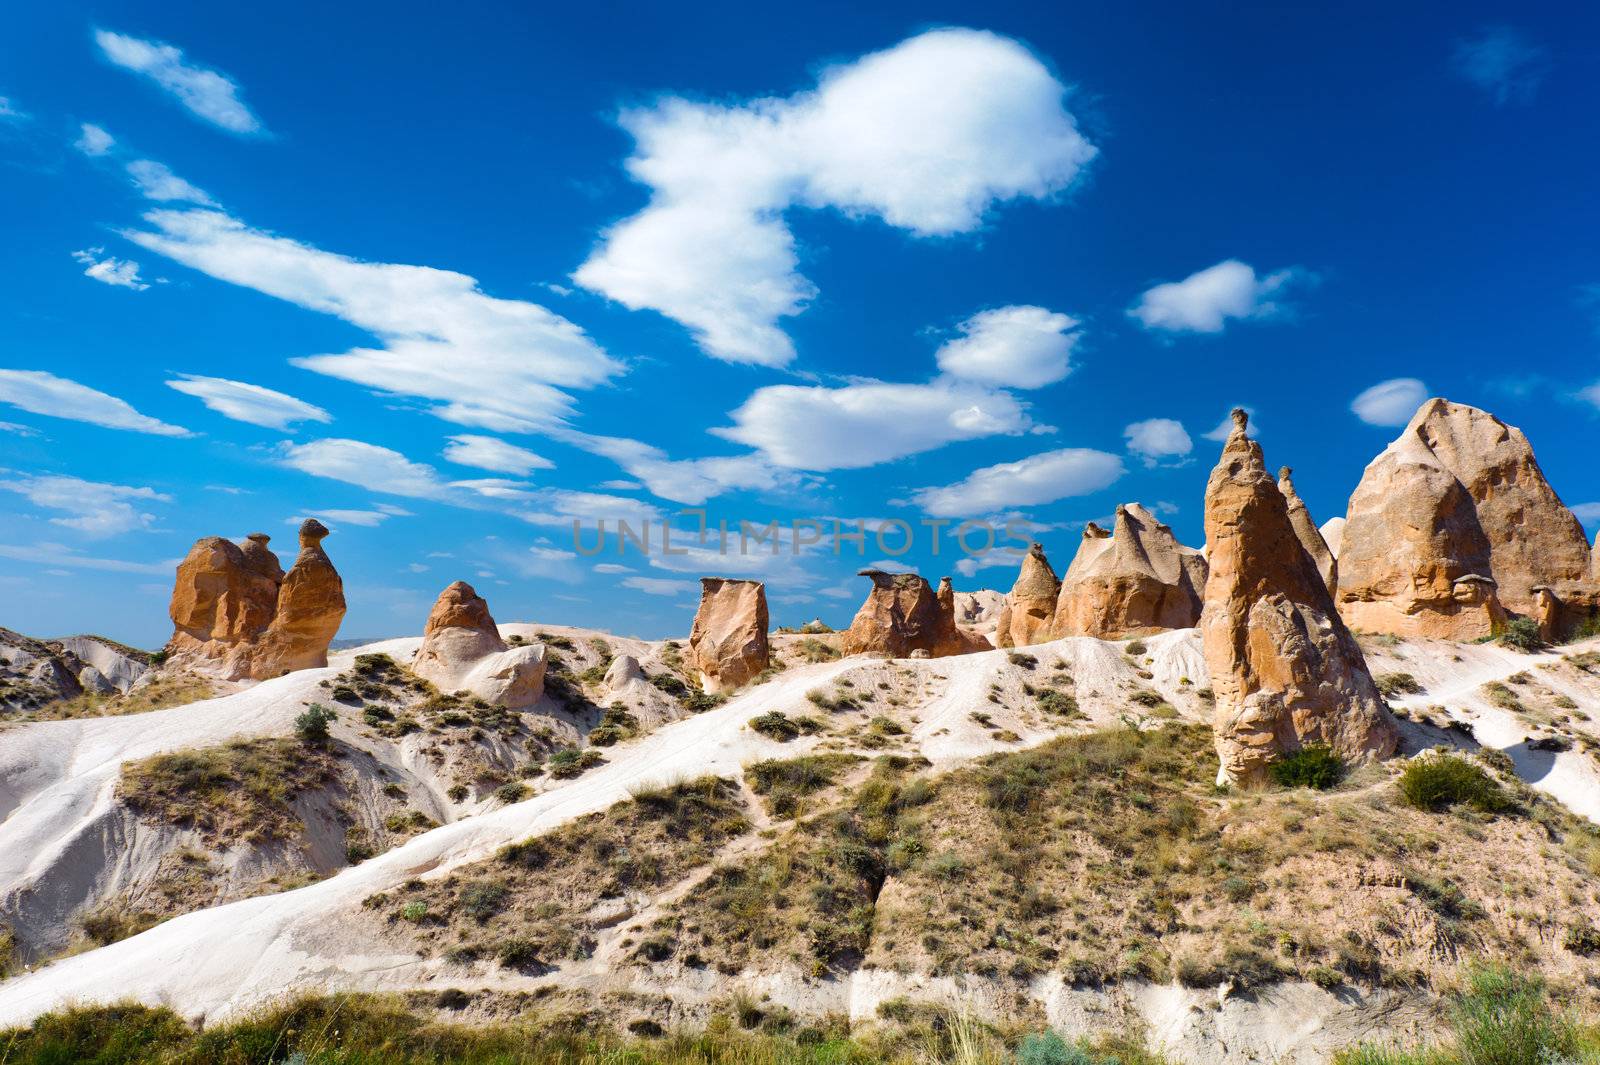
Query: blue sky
451	281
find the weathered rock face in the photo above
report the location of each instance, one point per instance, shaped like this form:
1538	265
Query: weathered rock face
35	673
1307	532
462	651
728	641
1285	670
1333	534
1133	581
1459	494
310	608
1028	616
236	612
903	614
980	610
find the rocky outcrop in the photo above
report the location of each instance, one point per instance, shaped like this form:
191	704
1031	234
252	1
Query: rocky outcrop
904	614
235	612
1132	581
462	651
1306	531
979	611
1333	534
1285	670
1459	495
35	673
728	641
1028	615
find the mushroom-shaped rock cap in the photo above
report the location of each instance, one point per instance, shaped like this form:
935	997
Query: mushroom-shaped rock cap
312	533
1093	531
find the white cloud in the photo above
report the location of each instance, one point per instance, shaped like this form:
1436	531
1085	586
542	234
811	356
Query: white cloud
249	403
208	94
336	518
109	269
660	586
1591	394
95	509
379	469
691	481
1588	513
52	554
18	430
156	182
1155	439
1012	347
612	567
1035	480
620	485
490	453
1503	63
868	422
927	135
1204	301
987	559
93	140
492	363
560	507
1390	402
45	393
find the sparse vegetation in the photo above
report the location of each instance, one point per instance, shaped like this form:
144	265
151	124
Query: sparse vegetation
1393	684
312	726
160	692
814	650
239	792
1312	766
776	725
784	784
1439	781
1523	634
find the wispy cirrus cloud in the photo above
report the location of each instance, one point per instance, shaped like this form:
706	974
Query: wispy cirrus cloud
249	403
1503	62
53	554
92	508
928	135
207	94
39	392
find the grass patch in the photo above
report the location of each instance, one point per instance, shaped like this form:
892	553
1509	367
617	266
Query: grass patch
784	784
239	792
159	693
1393	684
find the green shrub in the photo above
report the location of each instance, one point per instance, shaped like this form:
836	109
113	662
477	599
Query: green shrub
1136	647
1312	766
483	899
1054	701
511	791
1392	684
312	726
775	724
1439	781
1502	1018
1025	661
1523	634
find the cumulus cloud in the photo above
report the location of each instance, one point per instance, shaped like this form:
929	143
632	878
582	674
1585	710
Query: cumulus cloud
44	393
1204	301
928	136
156	182
490	363
249	403
1012	347
1391	402
207	94
492	453
110	270
867	422
92	140
94	509
1033	481
1155	439
1503	63
660	586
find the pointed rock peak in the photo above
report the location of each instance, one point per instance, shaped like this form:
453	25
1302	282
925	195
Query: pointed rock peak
460	607
1139	581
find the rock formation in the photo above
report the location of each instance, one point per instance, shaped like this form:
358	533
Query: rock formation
1459	495
1306	530
903	614
728	641
462	651
1285	670
35	673
1133	581
1333	534
235	611
979	610
1028	615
